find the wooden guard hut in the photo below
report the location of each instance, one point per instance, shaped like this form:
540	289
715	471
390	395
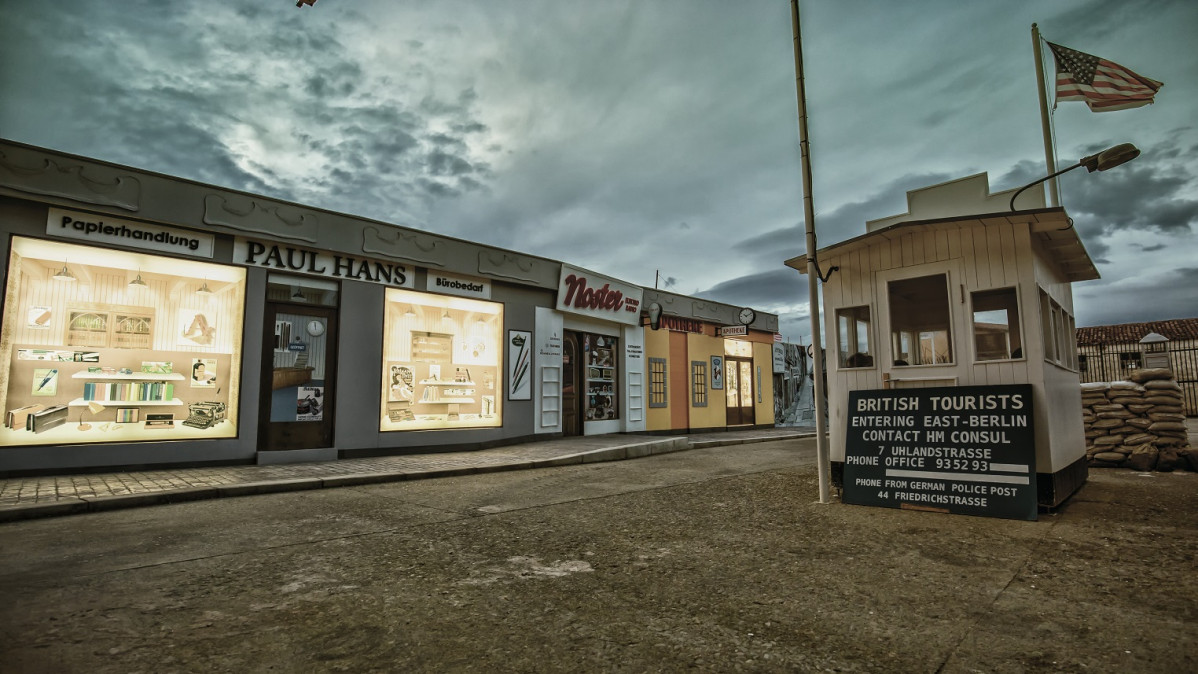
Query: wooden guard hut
961	291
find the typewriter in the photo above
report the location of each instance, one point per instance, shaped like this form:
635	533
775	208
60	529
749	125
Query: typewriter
205	415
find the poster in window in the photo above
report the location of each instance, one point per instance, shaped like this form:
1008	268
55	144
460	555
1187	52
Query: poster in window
197	328
717	372
203	372
402	388
309	404
519	364
39	318
45	382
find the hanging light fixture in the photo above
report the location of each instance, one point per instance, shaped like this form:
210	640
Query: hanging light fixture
410	313
445	316
298	294
137	282
204	289
64	274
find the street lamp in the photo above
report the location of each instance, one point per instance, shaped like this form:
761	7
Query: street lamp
1107	159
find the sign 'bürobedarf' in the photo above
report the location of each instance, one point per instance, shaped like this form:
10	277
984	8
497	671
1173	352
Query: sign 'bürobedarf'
966	450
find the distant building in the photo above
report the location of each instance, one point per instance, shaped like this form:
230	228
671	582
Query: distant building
1112	352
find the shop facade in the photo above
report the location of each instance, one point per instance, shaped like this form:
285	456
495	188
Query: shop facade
709	366
150	320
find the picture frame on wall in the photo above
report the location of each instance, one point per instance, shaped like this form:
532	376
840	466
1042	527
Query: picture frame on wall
519	365
717	372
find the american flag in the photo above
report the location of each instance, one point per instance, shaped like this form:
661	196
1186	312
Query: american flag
1102	84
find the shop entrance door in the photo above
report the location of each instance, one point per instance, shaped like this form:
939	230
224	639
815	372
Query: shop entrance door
571	385
738	387
299	349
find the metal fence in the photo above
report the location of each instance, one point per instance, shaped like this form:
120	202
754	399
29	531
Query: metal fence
1117	362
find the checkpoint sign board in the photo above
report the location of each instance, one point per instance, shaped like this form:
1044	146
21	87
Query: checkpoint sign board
966	450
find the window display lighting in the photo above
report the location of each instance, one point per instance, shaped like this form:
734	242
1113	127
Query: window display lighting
204	290
137	282
64	274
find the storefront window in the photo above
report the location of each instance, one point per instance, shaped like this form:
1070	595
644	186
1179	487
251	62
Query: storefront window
112	346
599	359
442	362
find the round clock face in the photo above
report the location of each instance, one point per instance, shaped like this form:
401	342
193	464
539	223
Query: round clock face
747	316
315	328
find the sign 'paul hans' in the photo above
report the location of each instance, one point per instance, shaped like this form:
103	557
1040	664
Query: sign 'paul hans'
321	263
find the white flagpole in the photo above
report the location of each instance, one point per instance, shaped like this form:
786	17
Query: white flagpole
817	352
1054	191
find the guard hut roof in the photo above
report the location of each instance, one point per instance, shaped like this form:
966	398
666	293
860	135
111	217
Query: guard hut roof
968	202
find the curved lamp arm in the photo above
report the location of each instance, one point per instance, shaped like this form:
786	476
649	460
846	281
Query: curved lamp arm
1107	159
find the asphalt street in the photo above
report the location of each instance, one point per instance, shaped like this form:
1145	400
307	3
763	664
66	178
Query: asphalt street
713	559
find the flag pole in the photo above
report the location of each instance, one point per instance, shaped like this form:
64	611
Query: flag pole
1054	191
817	352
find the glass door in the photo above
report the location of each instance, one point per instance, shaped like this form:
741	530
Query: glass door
299	371
738	389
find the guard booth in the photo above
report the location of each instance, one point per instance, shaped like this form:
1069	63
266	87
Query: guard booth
961	292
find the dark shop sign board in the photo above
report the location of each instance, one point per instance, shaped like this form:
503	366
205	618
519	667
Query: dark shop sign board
965	450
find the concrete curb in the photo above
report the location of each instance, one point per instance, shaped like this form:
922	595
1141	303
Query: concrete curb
85	504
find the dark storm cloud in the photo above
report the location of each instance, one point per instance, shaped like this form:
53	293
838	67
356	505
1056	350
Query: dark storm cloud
1151	194
839	224
1149	299
784	286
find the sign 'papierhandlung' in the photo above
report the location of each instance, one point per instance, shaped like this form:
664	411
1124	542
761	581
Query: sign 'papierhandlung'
966	450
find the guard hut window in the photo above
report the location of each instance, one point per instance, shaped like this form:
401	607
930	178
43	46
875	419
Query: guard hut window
996	330
852	337
920	332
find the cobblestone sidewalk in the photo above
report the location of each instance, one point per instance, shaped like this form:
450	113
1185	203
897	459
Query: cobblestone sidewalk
40	496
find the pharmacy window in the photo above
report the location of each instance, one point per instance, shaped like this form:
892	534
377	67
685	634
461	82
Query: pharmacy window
852	337
441	362
996	329
699	383
920	321
657	382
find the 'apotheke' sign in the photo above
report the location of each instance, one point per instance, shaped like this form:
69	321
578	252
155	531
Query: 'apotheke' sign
103	229
287	258
458	285
583	292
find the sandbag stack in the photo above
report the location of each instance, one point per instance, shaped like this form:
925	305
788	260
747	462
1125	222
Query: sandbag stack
1137	424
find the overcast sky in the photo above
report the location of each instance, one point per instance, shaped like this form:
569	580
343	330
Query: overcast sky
628	136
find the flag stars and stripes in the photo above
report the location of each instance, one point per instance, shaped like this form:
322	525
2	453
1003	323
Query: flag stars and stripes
1101	84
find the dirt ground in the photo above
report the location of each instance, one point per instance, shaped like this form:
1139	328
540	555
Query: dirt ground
720	566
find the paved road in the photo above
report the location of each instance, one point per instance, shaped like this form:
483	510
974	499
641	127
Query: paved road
712	559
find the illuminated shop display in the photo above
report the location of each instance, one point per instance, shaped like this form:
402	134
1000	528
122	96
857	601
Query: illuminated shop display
112	346
599	360
442	359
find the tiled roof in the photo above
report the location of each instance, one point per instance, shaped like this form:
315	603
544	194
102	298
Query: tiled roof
1132	333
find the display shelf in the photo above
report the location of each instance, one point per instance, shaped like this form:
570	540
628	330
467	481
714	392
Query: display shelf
136	376
81	402
444	401
444	382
